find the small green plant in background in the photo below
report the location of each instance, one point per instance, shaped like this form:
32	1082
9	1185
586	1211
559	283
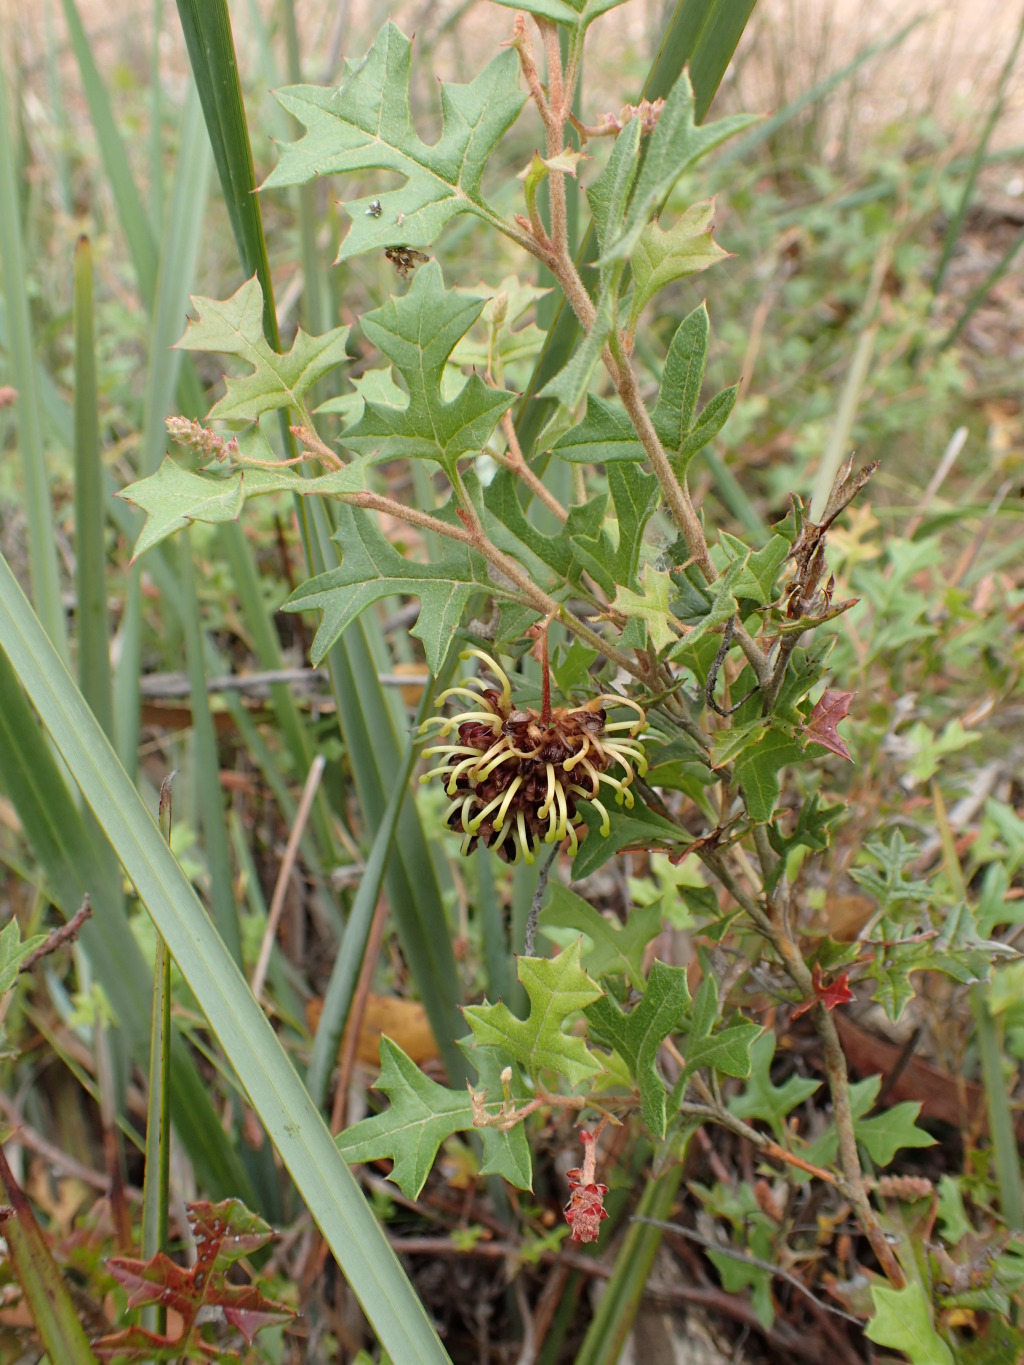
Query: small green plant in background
751	705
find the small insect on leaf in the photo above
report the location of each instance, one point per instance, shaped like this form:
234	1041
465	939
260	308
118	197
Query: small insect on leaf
405	259
375	210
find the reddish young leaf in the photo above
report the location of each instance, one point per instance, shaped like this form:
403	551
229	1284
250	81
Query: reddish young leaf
833	707
223	1232
247	1310
233	1228
837	992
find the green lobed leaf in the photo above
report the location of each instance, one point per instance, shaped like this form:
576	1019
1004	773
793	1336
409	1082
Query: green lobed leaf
173	497
641	826
366	124
616	948
761	1098
371	568
707	426
576	13
721	1049
638	1035
634	500
417	333
675	145
605	435
682	378
882	1135
651	606
421	1115
662	257
502	342
757	770
13	953
758	580
903	1320
234	326
570	384
608	196
557	987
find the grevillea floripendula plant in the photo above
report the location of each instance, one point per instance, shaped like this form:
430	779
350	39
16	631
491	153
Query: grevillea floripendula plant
637	678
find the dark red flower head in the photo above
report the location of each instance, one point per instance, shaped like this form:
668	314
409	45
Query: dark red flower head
517	779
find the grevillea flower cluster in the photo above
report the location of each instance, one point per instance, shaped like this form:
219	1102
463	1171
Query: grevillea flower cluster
517	777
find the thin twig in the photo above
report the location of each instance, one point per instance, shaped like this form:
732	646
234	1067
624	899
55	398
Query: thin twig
56	938
259	975
537	902
350	1045
746	1259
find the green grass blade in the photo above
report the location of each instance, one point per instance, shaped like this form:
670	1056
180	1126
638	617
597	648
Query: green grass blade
352	949
623	1294
130	210
315	296
703	33
242	1029
983	290
206	757
49	1302
1005	1153
211	50
156	141
90	548
414	893
74	862
157	1181
42	550
956	223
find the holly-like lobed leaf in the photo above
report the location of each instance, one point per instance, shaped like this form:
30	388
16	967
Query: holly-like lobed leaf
709	1044
418	333
831	994
676	144
637	1036
503	344
234	326
832	707
557	987
614	561
903	1320
571	13
13	953
606	434
662	257
422	1114
761	1098
371	568
758	771
616	948
366	124
237	1230
882	1134
651	606
174	497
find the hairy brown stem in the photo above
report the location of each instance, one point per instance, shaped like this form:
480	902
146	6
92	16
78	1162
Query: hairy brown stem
516	464
839	1088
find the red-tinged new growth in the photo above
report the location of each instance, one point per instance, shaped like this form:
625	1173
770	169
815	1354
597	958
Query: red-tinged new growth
517	776
837	992
585	1211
